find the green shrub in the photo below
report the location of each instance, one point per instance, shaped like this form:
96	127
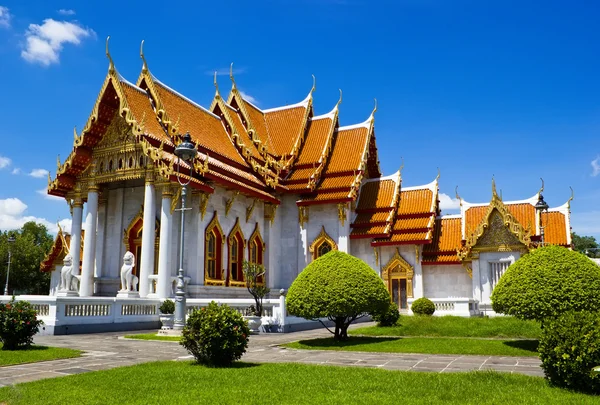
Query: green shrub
339	287
569	348
167	307
215	335
18	324
423	306
388	317
546	283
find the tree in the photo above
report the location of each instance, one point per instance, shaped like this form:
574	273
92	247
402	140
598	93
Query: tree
339	287
547	282
32	243
253	274
586	245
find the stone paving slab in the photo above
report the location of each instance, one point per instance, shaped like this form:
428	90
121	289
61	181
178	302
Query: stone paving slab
105	351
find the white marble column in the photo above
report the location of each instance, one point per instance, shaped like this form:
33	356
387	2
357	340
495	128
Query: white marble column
163	288
343	228
418	273
148	235
86	282
75	244
100	237
476	280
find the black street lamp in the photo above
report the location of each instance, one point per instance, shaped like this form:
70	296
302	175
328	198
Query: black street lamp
10	240
185	151
541	206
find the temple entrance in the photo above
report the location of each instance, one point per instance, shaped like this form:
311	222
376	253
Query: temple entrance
398	276
399	293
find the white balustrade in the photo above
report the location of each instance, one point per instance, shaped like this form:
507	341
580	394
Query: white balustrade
153	284
453	306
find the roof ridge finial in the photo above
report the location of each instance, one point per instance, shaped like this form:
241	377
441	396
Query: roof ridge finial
374	109
314	86
438	175
340	100
456	194
401	165
230	76
570	198
542	188
111	65
494	194
144	64
216	85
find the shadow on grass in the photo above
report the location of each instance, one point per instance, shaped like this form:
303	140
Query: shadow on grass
529	345
352	341
236	364
26	349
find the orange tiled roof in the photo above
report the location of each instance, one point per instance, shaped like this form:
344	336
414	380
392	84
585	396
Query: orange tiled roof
319	129
366	218
370	232
415	202
403	224
284	126
205	128
446	241
347	153
405	238
376	194
376	204
139	104
325	197
555	228
257	119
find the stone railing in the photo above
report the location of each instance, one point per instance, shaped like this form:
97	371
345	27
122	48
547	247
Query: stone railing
453	306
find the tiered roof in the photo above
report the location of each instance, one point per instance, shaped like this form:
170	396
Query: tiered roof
446	241
260	153
415	216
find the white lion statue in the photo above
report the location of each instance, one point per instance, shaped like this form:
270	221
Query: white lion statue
66	274
129	280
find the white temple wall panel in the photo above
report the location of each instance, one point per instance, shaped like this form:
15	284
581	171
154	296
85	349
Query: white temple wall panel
362	249
292	249
114	232
446	281
491	266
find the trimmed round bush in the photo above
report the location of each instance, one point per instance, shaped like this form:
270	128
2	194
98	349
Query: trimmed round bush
546	283
216	335
570	348
389	317
167	307
339	287
423	306
18	324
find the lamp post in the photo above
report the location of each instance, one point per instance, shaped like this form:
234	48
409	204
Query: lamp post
541	207
11	240
185	151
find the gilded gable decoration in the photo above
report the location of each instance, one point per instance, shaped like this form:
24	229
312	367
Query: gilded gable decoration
342	207
270	211
230	201
302	215
322	244
250	209
203	204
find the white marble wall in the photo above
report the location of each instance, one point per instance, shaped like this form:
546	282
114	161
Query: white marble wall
482	287
446	281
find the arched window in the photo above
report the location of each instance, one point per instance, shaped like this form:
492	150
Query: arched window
236	244
256	250
322	244
213	253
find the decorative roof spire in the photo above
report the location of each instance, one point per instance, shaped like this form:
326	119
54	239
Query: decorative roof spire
374	109
230	76
542	188
314	86
218	95
438	175
401	165
457	196
340	100
144	64
570	198
111	65
494	193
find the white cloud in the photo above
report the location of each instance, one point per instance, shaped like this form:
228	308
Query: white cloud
16	170
595	166
12	217
45	42
39	173
249	98
4	162
64	11
448	203
4	17
44	193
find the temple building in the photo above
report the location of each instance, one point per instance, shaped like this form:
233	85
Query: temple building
280	187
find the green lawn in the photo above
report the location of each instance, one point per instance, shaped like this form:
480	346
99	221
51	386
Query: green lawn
487	347
186	383
153	336
35	354
501	327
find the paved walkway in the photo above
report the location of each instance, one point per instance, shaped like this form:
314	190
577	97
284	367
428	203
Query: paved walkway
104	351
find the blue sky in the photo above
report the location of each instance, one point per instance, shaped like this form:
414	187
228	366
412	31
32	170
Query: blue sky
476	88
